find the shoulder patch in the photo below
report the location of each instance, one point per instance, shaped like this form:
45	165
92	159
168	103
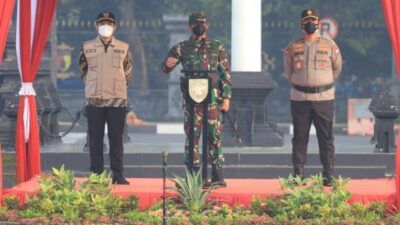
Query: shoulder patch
298	43
336	49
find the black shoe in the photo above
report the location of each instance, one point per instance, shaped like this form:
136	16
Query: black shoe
217	177
327	181
96	172
120	180
220	183
302	181
327	174
207	184
298	170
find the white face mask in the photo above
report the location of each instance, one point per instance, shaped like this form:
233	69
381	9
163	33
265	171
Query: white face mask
106	30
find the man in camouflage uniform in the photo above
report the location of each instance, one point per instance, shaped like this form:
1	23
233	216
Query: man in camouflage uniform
202	52
106	70
312	65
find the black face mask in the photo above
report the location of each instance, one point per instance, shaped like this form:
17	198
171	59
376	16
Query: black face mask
199	29
310	27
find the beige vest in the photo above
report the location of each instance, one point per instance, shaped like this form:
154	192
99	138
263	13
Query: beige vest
105	77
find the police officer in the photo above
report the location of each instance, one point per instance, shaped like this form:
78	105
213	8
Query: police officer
312	65
106	70
202	52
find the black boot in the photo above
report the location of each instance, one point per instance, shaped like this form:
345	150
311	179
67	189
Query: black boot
327	174
118	178
298	170
217	177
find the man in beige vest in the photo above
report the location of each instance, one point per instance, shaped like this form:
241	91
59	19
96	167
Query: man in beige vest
312	65
106	67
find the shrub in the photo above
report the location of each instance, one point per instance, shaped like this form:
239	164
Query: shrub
59	194
190	191
11	202
136	216
313	203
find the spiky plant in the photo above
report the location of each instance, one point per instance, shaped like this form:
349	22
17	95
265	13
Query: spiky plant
190	191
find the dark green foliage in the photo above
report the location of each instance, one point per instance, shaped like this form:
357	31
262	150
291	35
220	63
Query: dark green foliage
314	202
60	194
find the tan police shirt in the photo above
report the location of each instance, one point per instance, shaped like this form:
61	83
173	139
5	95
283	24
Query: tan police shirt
313	64
105	77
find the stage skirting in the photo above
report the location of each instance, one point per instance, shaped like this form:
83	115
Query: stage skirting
239	191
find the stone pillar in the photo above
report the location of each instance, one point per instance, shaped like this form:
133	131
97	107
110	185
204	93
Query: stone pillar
246	35
250	85
176	25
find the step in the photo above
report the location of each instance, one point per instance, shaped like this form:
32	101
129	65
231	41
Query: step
81	159
251	171
237	165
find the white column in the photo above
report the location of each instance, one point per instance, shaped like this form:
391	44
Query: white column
246	35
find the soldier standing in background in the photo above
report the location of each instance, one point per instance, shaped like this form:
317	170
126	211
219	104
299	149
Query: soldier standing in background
202	52
106	70
312	65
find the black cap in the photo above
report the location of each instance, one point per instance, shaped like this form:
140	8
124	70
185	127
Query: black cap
309	13
197	17
105	16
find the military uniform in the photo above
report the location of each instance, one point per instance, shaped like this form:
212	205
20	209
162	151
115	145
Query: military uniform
205	54
106	70
312	69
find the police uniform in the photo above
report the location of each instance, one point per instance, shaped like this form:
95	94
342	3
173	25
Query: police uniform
312	69
106	69
205	54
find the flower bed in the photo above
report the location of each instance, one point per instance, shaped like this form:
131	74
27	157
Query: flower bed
62	200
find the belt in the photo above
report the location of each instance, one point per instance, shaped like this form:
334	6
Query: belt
313	90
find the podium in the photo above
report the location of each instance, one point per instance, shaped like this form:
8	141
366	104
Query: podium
196	88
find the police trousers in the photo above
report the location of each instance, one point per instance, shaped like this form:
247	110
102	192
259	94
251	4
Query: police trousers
320	113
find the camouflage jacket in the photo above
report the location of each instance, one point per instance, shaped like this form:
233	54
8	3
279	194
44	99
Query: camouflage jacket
206	54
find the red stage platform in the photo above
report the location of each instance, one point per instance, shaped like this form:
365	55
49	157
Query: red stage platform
239	191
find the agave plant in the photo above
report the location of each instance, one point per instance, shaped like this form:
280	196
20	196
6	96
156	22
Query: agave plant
190	191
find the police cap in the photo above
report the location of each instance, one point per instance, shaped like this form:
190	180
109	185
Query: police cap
309	13
105	16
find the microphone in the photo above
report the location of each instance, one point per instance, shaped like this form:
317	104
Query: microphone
164	169
164	157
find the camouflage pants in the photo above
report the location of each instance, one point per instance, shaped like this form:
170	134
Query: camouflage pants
214	134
